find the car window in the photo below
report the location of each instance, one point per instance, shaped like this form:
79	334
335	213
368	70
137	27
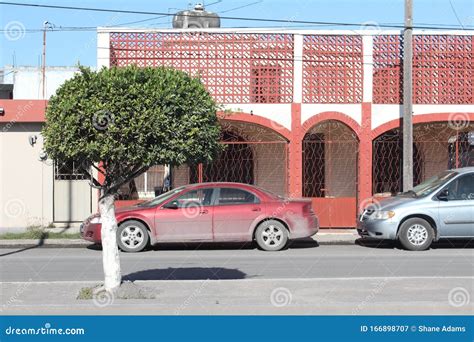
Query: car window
161	198
427	187
462	188
198	197
229	196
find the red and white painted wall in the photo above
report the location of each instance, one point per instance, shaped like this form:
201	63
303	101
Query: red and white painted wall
316	113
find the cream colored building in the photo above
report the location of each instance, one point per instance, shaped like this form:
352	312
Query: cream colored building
36	192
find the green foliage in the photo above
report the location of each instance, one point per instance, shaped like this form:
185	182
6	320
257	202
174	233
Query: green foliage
130	119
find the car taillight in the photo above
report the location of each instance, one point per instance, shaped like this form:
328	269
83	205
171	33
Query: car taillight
308	209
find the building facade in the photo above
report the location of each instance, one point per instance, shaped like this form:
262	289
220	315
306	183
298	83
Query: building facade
314	114
35	192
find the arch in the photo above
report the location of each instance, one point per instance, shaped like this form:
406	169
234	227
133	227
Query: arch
234	164
326	116
440	141
420	118
330	157
257	120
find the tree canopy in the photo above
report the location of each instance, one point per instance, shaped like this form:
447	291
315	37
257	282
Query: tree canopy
130	119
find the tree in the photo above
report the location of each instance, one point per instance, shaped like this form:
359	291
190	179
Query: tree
120	121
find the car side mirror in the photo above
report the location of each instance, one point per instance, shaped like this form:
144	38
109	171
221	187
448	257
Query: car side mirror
171	205
443	195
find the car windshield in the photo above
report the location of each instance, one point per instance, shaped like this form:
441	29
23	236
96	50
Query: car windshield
163	197
431	184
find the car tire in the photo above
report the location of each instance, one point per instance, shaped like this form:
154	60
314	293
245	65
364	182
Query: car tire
271	235
132	236
416	234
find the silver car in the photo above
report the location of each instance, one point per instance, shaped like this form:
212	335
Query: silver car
440	207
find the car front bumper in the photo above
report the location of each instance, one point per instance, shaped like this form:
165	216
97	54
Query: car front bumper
378	229
91	232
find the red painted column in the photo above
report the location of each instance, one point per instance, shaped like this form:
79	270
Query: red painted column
295	165
365	155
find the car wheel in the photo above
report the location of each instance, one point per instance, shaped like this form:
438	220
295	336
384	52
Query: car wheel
132	236
416	234
271	235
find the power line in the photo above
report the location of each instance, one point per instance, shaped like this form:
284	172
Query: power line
285	21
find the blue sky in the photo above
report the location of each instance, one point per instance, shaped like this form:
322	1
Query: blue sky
69	48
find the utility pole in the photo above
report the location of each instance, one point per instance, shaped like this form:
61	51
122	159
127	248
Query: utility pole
408	97
46	25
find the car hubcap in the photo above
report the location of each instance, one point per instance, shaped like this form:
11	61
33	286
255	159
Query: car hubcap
132	236
272	236
417	235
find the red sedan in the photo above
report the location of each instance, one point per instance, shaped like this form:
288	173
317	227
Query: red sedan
211	212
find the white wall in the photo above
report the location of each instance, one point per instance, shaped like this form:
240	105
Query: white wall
27	81
26	184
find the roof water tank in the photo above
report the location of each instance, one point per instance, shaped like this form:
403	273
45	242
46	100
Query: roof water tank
196	18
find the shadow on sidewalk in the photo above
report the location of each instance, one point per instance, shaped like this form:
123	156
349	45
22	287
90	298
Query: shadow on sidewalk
186	273
39	244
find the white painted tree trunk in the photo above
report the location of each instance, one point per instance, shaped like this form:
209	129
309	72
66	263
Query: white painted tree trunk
110	253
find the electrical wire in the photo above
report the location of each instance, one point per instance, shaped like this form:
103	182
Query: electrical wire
285	21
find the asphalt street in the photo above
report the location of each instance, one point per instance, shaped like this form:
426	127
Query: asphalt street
304	259
234	279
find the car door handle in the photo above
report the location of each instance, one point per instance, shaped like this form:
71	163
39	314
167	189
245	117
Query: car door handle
205	211
256	209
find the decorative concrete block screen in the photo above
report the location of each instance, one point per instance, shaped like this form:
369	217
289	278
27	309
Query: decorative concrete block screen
443	69
332	69
235	67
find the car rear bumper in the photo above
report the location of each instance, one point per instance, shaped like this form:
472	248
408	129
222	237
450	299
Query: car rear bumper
306	228
91	232
378	229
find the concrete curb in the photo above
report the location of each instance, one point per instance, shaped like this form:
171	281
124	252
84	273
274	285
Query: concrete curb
325	238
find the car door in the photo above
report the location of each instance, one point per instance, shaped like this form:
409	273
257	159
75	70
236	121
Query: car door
186	218
456	210
235	211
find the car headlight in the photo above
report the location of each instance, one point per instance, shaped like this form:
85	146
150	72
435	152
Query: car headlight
382	215
95	220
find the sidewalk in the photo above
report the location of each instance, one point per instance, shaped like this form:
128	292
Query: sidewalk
348	296
323	237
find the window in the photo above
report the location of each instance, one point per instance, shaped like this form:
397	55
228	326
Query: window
461	188
236	196
265	82
147	185
194	198
69	170
148	181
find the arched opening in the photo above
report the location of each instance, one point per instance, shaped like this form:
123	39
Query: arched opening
330	159
253	154
437	146
234	164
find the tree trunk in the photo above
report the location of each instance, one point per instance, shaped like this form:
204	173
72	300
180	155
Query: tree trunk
110	253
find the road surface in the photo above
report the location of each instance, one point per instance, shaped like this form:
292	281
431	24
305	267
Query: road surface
240	279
